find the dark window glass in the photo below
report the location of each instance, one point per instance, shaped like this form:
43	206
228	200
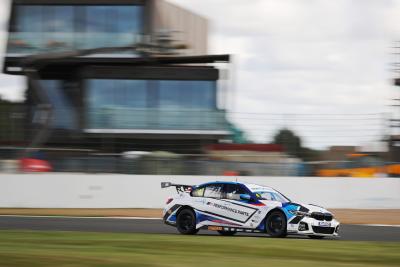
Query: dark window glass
117	93
145	104
30	19
114	19
58	19
187	95
214	191
63	27
233	191
98	19
116	104
112	25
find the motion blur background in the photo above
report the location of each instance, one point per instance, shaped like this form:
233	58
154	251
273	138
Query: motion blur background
282	88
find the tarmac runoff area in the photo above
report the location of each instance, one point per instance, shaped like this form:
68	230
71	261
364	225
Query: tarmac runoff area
156	226
345	216
357	225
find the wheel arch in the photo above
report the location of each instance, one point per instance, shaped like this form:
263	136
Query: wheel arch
185	207
276	209
283	232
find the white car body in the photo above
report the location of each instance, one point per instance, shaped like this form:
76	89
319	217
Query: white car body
228	212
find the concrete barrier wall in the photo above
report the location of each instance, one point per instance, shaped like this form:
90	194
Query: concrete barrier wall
68	190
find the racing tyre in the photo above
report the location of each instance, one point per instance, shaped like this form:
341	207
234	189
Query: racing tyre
186	222
316	236
276	224
227	233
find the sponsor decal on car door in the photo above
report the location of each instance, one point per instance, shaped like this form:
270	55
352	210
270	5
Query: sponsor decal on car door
216	204
229	210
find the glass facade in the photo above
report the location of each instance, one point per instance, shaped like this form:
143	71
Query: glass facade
187	94
152	104
47	28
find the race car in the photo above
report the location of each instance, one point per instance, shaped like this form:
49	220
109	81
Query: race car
232	207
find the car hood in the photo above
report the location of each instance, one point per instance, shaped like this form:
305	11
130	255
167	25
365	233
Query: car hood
295	206
301	207
315	208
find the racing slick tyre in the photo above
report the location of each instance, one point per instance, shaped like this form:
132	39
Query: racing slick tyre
186	222
276	224
227	233
316	236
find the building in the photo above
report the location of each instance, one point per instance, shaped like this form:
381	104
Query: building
114	99
251	159
257	153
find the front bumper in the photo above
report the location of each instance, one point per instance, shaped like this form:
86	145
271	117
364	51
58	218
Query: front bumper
309	226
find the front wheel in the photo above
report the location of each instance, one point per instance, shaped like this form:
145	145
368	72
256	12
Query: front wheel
276	224
186	222
227	233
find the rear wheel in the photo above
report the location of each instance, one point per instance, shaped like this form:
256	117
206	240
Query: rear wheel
186	222
276	224
227	233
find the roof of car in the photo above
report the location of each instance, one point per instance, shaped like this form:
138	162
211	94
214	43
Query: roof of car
252	187
219	182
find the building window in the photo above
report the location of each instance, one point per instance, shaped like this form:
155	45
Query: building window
152	104
50	28
113	25
103	93
179	95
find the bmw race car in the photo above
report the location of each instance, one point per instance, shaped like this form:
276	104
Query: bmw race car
231	207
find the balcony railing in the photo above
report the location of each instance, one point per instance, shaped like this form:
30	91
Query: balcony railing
28	43
155	119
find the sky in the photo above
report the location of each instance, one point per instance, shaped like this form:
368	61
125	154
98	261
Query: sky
319	67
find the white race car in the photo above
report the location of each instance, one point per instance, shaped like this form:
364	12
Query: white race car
231	207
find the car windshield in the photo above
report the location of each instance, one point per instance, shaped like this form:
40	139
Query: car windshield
274	196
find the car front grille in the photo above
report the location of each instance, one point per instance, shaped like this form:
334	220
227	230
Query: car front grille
322	216
323	230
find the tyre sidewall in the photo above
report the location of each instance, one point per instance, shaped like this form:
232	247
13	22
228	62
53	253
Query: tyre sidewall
192	230
283	231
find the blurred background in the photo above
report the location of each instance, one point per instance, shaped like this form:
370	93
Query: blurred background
272	88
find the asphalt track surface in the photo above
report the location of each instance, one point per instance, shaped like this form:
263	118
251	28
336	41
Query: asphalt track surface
156	226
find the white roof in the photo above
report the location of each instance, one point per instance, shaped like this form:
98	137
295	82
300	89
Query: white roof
257	188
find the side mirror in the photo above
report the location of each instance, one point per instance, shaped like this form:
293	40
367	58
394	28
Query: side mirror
246	197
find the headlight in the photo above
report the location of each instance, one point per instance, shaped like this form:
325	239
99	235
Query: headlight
299	213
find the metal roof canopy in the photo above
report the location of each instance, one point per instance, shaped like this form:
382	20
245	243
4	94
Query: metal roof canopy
15	65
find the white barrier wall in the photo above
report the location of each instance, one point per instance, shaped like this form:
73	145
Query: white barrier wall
68	190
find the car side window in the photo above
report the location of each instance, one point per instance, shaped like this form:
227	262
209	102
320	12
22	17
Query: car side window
198	192
269	196
214	191
233	191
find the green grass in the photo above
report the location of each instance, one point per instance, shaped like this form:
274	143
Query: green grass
73	249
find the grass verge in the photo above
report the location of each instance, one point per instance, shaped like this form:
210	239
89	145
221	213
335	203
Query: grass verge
29	248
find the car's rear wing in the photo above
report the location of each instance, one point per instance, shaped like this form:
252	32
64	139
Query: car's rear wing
179	187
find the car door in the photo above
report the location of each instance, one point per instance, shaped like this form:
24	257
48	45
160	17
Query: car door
207	200
241	210
219	208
